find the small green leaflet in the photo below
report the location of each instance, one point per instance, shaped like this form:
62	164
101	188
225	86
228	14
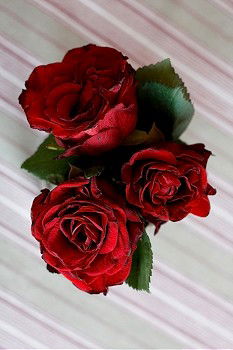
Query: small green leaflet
43	162
141	269
139	137
93	171
163	95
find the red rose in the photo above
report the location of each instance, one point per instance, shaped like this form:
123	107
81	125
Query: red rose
168	182
88	101
86	233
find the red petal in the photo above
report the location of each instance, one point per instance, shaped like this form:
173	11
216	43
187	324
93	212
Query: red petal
200	206
110	240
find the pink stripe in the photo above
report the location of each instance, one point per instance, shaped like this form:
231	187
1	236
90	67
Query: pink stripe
44	324
43	287
42	34
165	42
18	57
196	226
82	23
228	190
164	320
202	18
198	258
22	235
20	177
74	306
16	144
69	303
215	119
213	230
6	176
224	6
13	104
174	37
102	36
194	288
11	46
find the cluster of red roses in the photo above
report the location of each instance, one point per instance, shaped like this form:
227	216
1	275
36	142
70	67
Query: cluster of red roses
89	226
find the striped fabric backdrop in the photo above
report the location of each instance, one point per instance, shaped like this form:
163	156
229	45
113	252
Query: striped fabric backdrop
190	305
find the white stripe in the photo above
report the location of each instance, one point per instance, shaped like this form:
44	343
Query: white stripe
46	320
157	322
183	280
22	53
16	333
182	36
174	303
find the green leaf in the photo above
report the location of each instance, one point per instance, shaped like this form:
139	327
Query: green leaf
74	172
93	171
139	137
164	99
169	104
141	269
163	73
43	162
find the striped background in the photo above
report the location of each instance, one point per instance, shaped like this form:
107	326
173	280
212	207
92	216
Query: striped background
190	305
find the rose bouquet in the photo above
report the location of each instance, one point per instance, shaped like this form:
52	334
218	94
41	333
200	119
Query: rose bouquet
116	162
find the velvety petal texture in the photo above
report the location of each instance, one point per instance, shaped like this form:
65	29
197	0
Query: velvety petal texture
86	233
88	101
169	181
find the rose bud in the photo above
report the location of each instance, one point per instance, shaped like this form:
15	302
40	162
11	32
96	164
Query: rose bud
87	101
86	233
168	182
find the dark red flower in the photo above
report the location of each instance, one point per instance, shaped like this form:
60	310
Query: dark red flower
86	233
168	182
88	101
